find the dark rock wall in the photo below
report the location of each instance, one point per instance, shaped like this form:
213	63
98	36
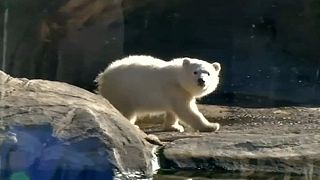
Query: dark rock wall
62	40
268	49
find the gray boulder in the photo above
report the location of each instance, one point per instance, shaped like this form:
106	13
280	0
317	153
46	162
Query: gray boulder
55	130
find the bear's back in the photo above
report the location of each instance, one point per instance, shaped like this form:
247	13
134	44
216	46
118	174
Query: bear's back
138	61
137	81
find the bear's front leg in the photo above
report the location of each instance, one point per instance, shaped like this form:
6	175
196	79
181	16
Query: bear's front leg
189	113
172	123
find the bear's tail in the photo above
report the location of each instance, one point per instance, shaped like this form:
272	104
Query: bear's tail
98	83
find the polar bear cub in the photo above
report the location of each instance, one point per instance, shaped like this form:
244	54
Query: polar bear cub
139	85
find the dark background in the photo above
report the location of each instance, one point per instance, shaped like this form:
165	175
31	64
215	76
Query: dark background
269	50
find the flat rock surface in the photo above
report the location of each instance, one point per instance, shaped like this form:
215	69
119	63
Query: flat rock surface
55	128
276	140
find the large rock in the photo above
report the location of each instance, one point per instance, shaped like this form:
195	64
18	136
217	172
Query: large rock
282	140
52	129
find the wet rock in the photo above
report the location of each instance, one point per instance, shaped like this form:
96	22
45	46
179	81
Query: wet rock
52	129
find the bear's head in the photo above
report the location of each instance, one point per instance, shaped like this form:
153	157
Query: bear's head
199	77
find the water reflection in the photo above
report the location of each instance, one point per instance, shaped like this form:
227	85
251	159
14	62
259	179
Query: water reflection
33	153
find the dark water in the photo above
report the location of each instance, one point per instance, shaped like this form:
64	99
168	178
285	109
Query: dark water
65	174
206	175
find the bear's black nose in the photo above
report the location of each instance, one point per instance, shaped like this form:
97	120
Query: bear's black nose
201	82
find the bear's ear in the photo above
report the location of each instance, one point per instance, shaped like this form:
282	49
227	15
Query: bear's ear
186	62
216	66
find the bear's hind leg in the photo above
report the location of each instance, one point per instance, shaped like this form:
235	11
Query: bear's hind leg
132	117
171	123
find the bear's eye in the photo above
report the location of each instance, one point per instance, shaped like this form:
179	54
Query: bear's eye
208	74
195	72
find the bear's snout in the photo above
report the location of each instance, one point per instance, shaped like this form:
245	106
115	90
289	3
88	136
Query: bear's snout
201	82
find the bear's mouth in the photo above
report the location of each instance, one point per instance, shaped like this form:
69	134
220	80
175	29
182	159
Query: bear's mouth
201	85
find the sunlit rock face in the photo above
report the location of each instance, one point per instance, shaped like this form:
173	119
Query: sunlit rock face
53	130
268	50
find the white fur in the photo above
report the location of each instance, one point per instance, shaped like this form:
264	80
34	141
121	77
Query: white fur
139	85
